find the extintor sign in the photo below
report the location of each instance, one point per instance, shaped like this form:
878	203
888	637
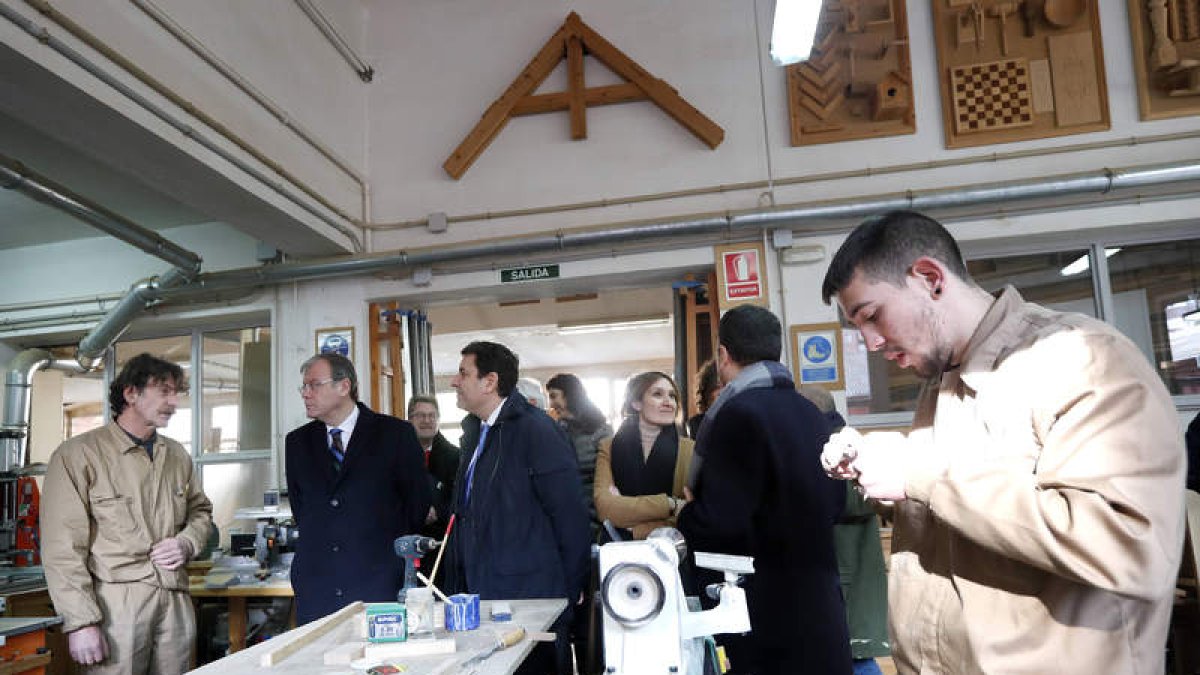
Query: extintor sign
741	275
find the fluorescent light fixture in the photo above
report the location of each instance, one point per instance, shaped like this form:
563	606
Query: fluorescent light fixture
1082	263
581	328
793	30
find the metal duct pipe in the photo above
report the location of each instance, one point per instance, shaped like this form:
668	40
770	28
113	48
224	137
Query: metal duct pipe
15	176
427	328
18	379
1009	192
414	351
141	295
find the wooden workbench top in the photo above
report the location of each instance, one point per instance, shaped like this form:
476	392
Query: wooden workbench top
269	589
533	615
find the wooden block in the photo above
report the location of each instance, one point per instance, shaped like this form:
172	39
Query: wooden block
1073	75
342	655
321	627
1043	94
392	650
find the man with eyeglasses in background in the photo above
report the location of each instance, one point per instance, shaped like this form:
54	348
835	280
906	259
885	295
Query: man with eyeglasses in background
356	481
122	514
441	462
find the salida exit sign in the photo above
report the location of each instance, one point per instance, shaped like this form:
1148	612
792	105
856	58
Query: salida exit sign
514	275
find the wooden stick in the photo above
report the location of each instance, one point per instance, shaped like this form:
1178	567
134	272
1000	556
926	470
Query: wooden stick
429	583
442	548
274	656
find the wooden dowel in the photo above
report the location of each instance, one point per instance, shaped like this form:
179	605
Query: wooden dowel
442	548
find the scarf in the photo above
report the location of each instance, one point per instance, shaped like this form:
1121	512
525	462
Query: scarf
653	475
760	375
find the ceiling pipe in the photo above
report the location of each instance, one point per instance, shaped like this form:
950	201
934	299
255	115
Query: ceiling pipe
1101	182
18	379
365	73
15	176
141	296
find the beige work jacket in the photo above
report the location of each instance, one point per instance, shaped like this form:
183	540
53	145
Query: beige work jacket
105	503
1044	525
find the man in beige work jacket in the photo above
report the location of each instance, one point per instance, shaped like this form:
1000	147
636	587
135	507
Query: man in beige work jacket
121	515
1039	495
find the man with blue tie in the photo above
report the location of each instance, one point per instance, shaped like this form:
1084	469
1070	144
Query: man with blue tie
520	529
356	481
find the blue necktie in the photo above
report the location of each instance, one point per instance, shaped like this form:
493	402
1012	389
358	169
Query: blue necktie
336	448
483	432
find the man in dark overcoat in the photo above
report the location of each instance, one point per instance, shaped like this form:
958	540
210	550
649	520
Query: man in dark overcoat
520	529
356	481
759	490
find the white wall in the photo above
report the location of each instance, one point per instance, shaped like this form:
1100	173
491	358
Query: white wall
710	52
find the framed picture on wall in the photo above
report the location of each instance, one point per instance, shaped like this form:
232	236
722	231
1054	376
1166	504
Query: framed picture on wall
336	341
817	355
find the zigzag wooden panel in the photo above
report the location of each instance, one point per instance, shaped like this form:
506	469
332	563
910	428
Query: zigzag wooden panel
858	82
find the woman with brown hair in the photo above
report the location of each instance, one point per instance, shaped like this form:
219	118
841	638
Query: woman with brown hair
640	472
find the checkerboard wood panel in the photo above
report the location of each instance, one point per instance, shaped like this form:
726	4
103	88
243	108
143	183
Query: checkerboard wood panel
991	96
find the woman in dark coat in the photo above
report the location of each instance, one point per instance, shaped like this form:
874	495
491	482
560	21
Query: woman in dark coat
585	426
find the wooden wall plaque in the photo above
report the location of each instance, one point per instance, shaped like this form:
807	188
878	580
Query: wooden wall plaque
858	82
1166	55
1017	70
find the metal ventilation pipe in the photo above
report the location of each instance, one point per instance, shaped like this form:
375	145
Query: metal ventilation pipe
1099	182
142	295
15	176
18	379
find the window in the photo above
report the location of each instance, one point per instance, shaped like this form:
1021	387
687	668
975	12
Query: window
1155	292
236	366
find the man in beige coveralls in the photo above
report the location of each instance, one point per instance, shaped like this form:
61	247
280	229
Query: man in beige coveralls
121	515
1039	494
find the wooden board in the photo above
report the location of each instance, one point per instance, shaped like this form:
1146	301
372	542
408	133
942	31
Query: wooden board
1043	92
1005	112
293	644
858	81
1158	55
1073	74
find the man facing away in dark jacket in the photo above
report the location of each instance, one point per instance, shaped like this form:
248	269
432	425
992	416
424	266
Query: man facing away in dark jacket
520	529
759	490
356	481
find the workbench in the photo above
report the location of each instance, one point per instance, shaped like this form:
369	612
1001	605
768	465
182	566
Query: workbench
236	597
23	644
532	615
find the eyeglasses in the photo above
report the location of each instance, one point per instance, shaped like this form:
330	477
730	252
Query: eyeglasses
312	386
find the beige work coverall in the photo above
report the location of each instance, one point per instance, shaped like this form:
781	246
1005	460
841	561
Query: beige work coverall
105	504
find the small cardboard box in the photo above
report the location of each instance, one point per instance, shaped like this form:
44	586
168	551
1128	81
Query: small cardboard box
386	622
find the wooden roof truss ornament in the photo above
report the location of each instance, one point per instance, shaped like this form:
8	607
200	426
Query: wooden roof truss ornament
572	41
